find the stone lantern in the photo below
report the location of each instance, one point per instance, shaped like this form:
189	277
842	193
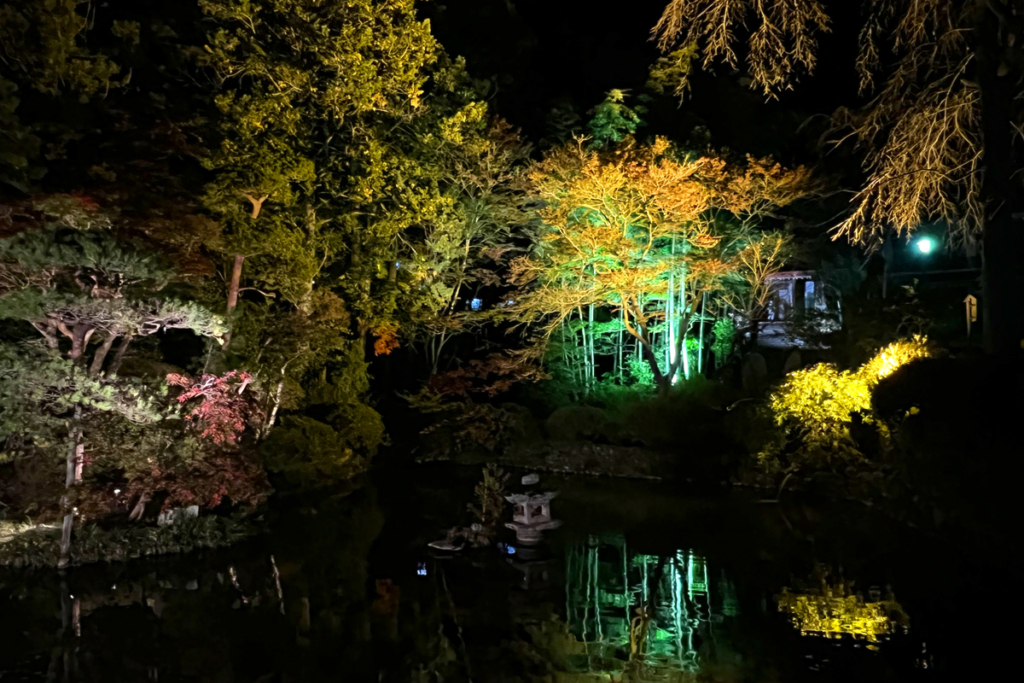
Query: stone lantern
531	516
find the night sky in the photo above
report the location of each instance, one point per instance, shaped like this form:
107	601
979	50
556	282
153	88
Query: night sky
545	54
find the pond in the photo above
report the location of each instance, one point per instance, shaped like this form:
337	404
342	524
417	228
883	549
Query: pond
641	583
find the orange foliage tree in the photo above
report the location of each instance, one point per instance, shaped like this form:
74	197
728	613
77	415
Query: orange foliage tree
639	230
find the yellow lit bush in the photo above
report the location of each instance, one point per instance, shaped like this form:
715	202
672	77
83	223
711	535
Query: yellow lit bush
815	407
893	357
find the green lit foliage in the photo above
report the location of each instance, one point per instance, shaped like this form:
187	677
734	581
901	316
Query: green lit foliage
364	185
815	407
293	75
818	404
640	372
612	121
468	245
39	387
312	452
672	71
82	283
45	39
289	349
642	231
724	331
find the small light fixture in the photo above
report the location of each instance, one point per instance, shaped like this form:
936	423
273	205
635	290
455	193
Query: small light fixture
925	245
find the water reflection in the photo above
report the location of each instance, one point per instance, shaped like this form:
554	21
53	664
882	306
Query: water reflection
625	606
346	589
830	608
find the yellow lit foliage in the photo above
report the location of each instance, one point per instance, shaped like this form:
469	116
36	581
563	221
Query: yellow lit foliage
387	338
833	611
920	134
816	404
894	356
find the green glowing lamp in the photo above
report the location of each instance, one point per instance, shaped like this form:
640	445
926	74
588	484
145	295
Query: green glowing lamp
925	245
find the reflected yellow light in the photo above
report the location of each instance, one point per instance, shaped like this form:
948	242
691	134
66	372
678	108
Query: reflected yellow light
833	611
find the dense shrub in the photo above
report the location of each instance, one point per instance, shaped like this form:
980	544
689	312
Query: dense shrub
310	452
823	415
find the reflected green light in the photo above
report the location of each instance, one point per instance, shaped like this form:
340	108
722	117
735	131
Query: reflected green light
606	583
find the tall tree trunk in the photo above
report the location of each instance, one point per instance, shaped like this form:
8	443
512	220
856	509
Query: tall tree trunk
663	381
621	350
700	342
115	365
273	411
1000	70
233	286
101	355
79	341
590	348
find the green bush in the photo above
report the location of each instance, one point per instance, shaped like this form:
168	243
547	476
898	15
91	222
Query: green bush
309	452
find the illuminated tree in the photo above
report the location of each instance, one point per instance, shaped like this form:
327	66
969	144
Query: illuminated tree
66	273
332	179
293	74
748	292
638	230
941	136
469	244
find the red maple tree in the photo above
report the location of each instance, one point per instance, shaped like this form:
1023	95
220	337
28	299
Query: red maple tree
225	409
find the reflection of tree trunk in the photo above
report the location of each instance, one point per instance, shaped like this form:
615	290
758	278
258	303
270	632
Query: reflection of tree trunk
122	348
1000	67
70	631
101	355
73	474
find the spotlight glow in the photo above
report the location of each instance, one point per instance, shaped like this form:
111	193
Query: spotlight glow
925	245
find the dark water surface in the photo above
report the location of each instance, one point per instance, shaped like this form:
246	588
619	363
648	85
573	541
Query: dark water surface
736	591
